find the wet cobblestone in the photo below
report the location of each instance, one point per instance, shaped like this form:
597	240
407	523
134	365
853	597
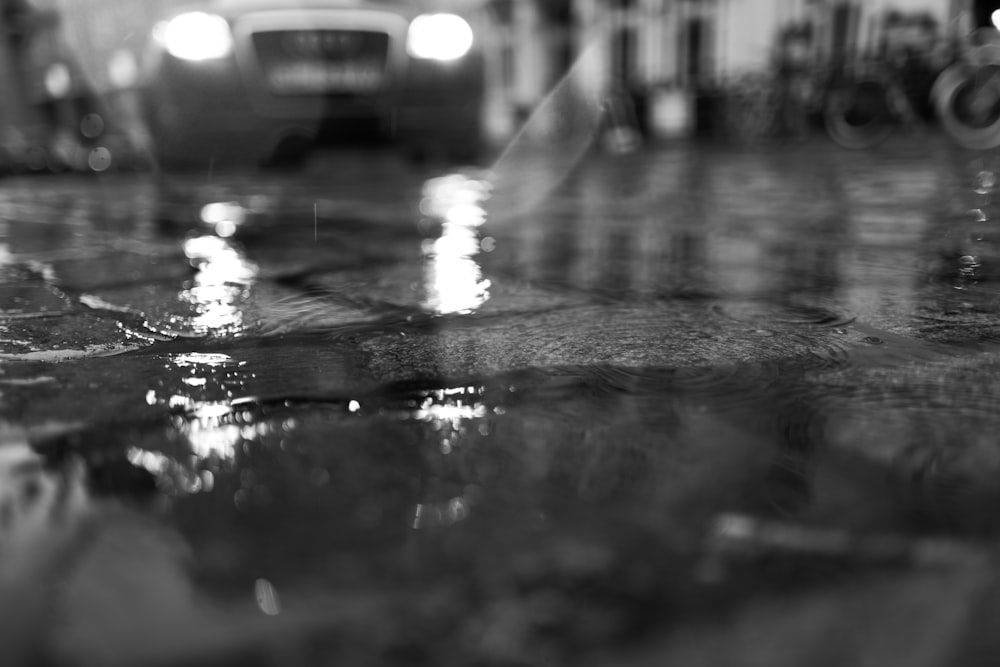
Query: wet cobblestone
692	404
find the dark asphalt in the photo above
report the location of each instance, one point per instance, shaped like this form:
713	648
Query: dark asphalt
692	405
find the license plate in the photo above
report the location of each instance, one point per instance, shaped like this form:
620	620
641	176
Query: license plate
324	77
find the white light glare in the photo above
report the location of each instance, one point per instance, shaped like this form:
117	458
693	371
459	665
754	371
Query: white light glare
197	36
439	37
995	19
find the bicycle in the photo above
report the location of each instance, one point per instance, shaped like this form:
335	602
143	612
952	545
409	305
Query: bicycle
862	108
967	93
864	105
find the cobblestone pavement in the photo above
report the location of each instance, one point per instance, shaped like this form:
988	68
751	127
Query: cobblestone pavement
691	405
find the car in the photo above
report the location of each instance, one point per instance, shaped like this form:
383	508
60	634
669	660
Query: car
249	81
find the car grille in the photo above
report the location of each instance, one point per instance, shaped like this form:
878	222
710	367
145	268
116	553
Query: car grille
322	61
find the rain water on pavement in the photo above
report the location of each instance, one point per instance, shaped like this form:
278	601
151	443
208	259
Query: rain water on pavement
690	405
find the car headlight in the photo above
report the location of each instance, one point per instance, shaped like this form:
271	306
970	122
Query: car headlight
197	36
439	37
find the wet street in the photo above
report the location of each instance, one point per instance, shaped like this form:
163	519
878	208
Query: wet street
692	405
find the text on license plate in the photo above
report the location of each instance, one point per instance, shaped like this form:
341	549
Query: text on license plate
307	77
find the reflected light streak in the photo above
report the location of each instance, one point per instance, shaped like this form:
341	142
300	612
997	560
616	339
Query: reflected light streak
453	280
213	428
202	359
224	217
221	281
213	440
451	412
207	426
451	408
215	435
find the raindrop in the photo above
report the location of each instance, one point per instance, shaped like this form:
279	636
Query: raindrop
985	181
267	597
977	215
967	265
91	125
99	159
457	510
225	228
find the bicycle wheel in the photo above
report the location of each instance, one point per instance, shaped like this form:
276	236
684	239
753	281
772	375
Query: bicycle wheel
857	115
968	106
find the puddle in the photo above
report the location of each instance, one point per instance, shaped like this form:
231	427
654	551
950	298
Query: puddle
308	414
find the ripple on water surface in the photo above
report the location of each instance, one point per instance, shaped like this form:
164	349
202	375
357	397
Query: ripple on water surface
769	314
930	421
673	335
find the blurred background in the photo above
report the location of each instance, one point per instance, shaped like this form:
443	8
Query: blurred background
111	84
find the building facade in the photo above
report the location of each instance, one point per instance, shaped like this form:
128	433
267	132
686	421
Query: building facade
665	52
649	60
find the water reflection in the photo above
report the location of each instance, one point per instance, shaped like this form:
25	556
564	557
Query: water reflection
451	407
450	412
201	401
331	482
453	279
224	275
172	477
972	258
224	217
455	416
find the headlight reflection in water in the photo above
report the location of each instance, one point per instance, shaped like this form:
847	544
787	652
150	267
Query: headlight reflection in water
451	413
453	279
223	274
214	431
